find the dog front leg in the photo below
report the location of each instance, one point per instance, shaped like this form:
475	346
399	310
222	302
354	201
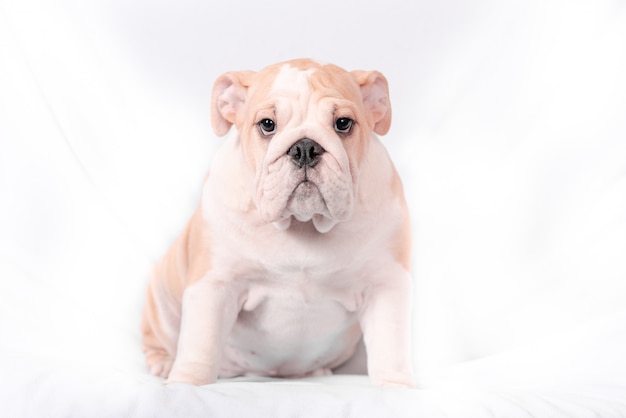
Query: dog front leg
385	321
209	312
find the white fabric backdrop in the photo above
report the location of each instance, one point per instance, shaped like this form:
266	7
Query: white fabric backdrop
509	132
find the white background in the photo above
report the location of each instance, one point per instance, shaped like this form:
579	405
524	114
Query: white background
509	131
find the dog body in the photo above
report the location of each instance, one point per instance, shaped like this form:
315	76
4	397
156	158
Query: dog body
300	246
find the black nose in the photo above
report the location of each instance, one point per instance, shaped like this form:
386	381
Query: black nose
305	153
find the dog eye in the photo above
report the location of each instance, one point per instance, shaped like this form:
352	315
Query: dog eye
343	125
267	127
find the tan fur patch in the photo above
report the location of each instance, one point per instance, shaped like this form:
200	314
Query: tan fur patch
185	262
402	251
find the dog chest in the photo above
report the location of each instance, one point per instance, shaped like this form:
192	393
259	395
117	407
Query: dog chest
291	330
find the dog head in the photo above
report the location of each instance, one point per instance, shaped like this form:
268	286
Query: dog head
304	128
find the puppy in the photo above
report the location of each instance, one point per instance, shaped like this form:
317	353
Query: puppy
300	246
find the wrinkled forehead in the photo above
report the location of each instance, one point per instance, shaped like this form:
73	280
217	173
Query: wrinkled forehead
302	79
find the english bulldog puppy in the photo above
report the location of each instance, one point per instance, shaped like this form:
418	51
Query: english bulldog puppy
300	246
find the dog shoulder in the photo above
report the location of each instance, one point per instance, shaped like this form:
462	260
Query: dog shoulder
385	190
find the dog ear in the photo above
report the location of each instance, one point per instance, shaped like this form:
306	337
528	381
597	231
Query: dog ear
375	94
228	99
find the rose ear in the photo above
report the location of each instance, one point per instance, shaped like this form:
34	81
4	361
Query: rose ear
228	100
375	94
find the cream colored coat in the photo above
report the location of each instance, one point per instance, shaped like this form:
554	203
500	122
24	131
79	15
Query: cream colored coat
283	269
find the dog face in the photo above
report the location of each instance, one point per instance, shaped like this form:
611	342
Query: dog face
304	129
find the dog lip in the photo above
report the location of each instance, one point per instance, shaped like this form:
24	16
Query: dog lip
305	182
310	185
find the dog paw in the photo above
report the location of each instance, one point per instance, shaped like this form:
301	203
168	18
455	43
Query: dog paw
159	362
320	372
161	368
193	374
393	379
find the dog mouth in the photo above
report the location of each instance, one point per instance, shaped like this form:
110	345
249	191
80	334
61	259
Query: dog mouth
305	189
306	185
306	203
306	200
